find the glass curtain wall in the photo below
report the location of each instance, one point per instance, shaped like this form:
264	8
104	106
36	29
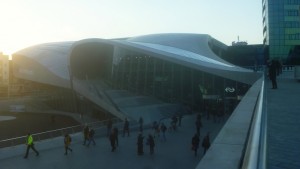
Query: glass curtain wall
281	28
173	83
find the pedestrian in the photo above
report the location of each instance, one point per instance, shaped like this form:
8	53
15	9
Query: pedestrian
109	126
30	144
179	119
67	142
140	142
112	139
141	122
150	142
163	129
116	133
91	137
155	128
174	122
86	131
206	143
126	127
195	143
198	124
273	74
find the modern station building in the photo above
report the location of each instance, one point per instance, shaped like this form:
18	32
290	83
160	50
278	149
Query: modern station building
153	76
281	29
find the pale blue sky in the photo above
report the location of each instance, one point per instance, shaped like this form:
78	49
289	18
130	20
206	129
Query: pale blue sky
29	22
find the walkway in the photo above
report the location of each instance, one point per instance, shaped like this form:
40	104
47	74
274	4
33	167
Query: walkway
175	153
283	107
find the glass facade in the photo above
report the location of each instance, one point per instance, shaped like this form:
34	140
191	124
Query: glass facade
170	82
281	29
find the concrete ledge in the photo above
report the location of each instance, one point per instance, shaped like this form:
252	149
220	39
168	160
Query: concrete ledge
227	149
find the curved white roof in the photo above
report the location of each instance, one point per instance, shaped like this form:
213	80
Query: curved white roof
49	63
44	63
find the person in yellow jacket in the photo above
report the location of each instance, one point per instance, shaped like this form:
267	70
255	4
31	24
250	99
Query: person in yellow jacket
67	141
30	144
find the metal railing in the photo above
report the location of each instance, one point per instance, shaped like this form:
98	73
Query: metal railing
255	150
54	133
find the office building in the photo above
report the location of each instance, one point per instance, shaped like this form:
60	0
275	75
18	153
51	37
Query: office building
281	29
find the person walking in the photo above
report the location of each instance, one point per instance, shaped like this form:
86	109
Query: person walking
273	74
109	126
141	122
179	119
140	142
163	129
155	127
112	139
126	127
195	143
86	131
174	122
67	142
150	142
91	137
30	144
198	126
205	143
116	133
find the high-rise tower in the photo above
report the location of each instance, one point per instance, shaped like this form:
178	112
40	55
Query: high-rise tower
281	29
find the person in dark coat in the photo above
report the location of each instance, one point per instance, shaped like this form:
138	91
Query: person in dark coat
206	143
91	137
179	119
141	122
150	142
86	131
126	127
195	143
163	130
112	138
109	126
198	124
140	142
116	132
273	74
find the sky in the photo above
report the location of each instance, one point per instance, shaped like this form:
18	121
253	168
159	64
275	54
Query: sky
29	22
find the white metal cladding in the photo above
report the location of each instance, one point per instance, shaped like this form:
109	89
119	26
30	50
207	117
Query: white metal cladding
188	56
191	50
52	56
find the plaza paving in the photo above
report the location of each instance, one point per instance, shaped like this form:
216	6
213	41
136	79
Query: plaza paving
175	153
283	107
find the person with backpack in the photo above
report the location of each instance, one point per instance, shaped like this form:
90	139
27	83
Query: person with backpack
67	142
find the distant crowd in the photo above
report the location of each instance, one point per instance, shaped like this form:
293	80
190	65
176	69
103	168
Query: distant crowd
158	129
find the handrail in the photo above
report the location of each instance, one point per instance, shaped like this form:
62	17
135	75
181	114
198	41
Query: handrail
255	154
53	133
